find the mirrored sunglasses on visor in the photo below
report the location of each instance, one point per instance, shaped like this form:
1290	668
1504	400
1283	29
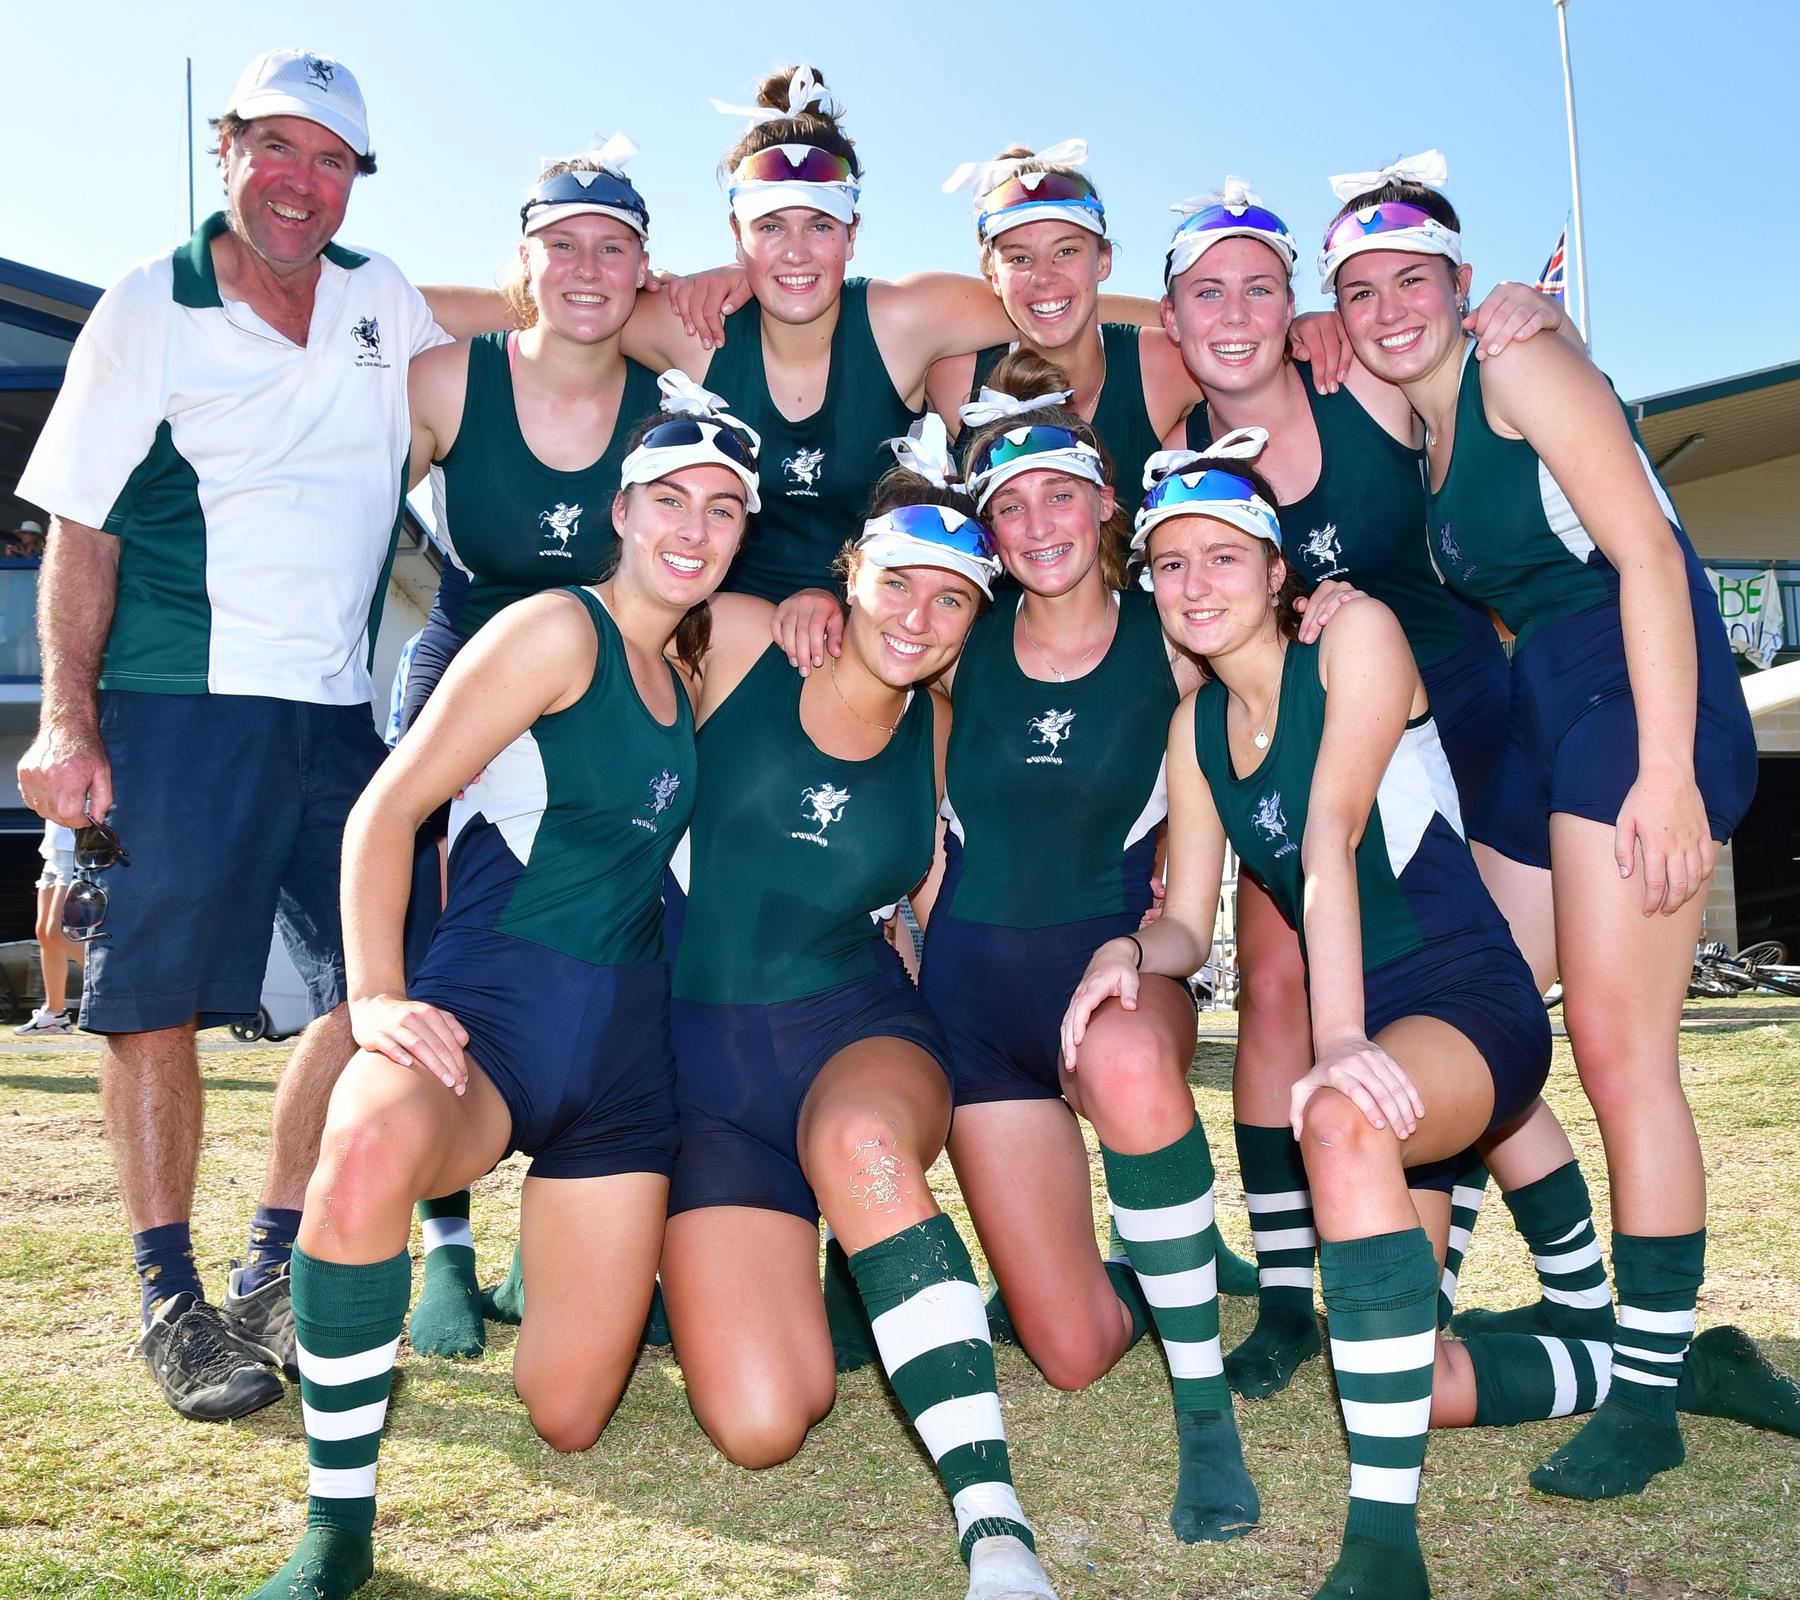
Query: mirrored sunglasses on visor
1068	193
1210	492
1214	224
572	193
932	536
1039	446
1391	225
692	442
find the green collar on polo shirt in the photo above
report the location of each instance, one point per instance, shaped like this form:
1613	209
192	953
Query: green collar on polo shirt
197	284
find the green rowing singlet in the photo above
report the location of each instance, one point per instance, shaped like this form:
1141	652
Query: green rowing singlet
513	524
1504	534
792	850
563	838
1364	520
1121	419
1415	879
816	473
1055	790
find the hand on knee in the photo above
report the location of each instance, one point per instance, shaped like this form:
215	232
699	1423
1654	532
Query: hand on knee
1334	1130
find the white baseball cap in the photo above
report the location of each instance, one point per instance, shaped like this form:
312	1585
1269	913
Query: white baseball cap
298	83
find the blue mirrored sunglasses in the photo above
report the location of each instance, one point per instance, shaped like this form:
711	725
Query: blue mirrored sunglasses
587	189
939	525
1017	443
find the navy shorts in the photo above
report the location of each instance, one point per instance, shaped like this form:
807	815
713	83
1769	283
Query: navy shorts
1483	989
579	1053
743	1072
1571	738
1469	692
1000	994
232	809
436	649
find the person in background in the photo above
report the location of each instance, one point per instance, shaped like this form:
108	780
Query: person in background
58	851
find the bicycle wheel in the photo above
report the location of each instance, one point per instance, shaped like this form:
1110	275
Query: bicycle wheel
1779	980
1769	953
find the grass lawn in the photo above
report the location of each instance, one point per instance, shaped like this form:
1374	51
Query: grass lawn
104	1492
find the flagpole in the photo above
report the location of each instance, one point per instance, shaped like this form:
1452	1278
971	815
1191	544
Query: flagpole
190	141
1581	295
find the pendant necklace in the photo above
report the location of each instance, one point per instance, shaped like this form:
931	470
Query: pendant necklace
1061	676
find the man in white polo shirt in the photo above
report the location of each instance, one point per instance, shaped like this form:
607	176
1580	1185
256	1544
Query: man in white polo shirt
224	466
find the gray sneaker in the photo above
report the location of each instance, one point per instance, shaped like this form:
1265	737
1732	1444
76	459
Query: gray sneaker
204	1372
43	1022
263	1321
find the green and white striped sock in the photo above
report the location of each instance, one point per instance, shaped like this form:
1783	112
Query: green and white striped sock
1556	1219
1163	1205
931	1328
1526	1377
347	1323
1634	1435
1281	1221
447	1320
1381	1309
1465	1208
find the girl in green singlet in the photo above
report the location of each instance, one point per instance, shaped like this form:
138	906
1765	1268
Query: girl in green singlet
1346	467
810	1076
1321	766
1629	752
1055	796
539	1019
521	433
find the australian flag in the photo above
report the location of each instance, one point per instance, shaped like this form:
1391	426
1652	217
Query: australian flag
1553	280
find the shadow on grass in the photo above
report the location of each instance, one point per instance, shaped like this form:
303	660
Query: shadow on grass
1212	1064
43	1083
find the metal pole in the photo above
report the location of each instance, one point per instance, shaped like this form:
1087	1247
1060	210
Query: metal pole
1581	294
190	141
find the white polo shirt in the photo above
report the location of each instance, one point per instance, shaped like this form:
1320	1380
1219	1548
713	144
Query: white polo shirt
255	486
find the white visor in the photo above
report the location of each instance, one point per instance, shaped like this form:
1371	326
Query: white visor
887	549
1083	461
752	201
1430	238
649	465
544	216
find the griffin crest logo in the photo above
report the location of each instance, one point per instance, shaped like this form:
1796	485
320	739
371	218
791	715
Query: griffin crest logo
822	807
1051	729
802	467
564	523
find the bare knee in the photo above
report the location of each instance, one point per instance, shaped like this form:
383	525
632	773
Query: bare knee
756	1436
1071	1360
368	1166
1334	1131
565	1427
858	1146
1126	1075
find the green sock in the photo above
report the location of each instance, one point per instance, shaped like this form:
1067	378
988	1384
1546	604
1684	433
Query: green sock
447	1319
347	1323
852	1343
1381	1310
931	1330
1524	1377
1465	1208
1236	1275
1634	1434
656	1323
1281	1219
1725	1375
1163	1206
1556	1219
505	1302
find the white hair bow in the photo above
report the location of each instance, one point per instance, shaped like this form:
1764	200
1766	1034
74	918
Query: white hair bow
991	405
1241	444
989	175
806	88
1235	195
925	449
1428	167
613	154
682	397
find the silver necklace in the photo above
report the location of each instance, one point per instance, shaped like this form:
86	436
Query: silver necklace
1261	737
885	727
1061	676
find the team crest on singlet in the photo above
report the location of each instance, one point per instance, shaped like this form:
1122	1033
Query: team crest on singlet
563	522
1322	549
821	807
803	470
1271	821
1051	729
662	795
1452	553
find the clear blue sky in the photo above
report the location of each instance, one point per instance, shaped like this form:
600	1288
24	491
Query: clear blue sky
1686	124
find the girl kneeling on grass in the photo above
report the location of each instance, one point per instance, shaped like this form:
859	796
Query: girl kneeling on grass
539	1019
1321	766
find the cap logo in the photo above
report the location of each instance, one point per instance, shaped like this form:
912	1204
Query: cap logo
320	73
